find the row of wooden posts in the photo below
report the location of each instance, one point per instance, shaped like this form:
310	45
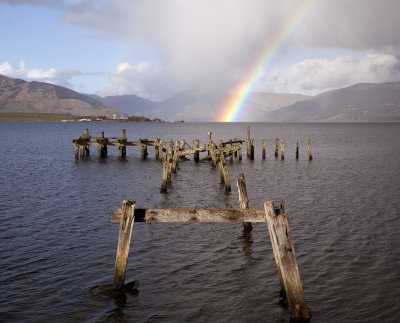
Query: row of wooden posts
83	143
273	213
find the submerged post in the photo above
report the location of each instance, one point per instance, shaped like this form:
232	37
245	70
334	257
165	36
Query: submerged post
122	147
156	148
282	149
196	155
276	147
143	144
309	149
297	150
160	150
248	141
124	242
102	150
252	149
243	200
285	258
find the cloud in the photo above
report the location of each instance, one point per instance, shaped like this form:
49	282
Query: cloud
140	79
313	76
38	74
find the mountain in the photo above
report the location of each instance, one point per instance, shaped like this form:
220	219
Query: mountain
365	102
130	104
201	104
37	97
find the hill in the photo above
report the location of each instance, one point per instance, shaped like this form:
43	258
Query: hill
37	97
365	102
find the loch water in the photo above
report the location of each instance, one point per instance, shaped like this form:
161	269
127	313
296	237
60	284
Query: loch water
57	242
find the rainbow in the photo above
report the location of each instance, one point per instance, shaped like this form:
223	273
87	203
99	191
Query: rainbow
237	101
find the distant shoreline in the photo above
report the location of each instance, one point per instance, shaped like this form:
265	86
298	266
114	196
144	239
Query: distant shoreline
53	117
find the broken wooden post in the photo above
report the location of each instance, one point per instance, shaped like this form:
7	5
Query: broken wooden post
213	155
196	155
243	200
124	242
309	149
87	139
282	149
240	152
169	159
143	144
263	148
76	151
182	147
252	149
122	147
236	153
297	150
276	147
285	258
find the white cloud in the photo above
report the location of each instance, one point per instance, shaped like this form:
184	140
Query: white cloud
313	76
140	79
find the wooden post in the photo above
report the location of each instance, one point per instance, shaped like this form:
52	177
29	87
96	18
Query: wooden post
175	157
221	168
297	150
76	151
124	242
87	137
122	141
240	152
143	144
169	159
213	155
160	150
248	143
309	149
209	144
276	147
285	258
243	200
156	148
231	150
263	148
165	174
252	149
236	153
225	172
102	150
82	152
282	149
196	155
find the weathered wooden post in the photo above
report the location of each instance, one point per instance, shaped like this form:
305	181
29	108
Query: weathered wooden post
243	200
182	147
297	150
143	143
122	147
225	172
263	148
169	158
76	150
196	155
248	143
156	148
175	157
124	242
276	147
164	181
252	149
309	149
285	258
213	155
236	153
231	150
240	152
87	139
160	150
102	150
282	149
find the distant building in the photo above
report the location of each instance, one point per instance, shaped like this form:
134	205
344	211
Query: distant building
120	116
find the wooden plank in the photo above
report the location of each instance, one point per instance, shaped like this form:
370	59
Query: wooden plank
124	242
195	215
281	240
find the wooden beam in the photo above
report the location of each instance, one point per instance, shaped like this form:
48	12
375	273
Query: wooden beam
124	242
195	215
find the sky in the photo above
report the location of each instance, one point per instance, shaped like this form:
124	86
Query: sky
157	48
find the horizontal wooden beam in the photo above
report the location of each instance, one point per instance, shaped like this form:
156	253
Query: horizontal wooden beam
195	215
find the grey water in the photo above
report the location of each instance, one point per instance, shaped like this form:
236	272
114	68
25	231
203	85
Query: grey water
57	242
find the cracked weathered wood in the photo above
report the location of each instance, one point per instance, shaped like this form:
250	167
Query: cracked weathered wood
285	258
124	242
243	200
195	215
